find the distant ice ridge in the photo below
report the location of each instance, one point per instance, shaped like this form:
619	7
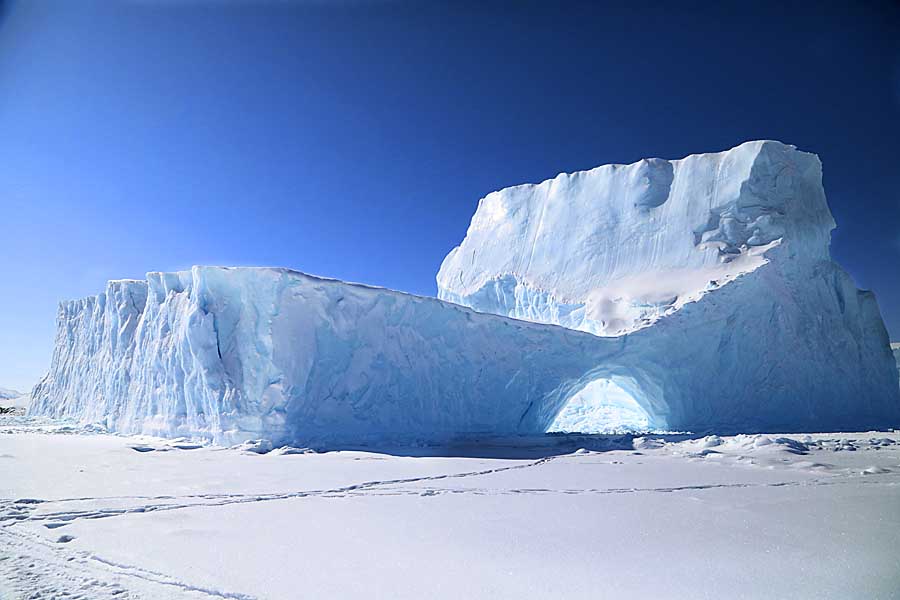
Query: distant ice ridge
8	394
12	399
704	288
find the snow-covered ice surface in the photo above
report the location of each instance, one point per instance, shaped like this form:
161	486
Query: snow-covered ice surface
751	516
708	278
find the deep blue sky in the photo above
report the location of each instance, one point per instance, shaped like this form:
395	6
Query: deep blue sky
354	139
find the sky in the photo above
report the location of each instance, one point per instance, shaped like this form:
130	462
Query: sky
354	139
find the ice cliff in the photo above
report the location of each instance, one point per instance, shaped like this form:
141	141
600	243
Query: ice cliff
613	249
701	288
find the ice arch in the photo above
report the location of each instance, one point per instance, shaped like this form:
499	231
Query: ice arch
602	406
618	395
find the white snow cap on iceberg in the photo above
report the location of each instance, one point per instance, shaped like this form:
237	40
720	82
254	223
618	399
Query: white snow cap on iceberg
612	249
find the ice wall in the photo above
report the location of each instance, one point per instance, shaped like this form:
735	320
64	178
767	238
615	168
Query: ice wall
237	353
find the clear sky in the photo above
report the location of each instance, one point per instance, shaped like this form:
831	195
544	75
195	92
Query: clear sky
354	139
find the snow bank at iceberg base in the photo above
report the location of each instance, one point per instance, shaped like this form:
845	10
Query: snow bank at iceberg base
232	354
713	271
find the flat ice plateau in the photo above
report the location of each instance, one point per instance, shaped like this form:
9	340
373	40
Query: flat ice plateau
89	516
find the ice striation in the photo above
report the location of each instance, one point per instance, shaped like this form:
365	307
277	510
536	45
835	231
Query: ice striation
696	294
232	354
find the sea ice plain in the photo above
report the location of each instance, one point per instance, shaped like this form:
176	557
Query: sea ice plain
702	287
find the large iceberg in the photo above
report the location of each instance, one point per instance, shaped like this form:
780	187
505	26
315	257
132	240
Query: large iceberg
722	260
237	353
698	294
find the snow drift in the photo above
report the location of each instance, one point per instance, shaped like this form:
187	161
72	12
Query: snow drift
703	289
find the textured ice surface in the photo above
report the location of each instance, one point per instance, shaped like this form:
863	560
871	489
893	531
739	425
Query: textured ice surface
708	280
243	353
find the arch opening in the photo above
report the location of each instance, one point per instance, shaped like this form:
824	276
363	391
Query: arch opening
602	406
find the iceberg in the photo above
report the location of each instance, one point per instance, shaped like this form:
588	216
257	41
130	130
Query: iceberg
234	354
616	248
721	259
694	295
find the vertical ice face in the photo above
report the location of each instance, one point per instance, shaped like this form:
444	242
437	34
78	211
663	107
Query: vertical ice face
93	351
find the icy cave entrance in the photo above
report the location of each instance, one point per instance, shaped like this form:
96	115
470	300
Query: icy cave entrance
601	406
